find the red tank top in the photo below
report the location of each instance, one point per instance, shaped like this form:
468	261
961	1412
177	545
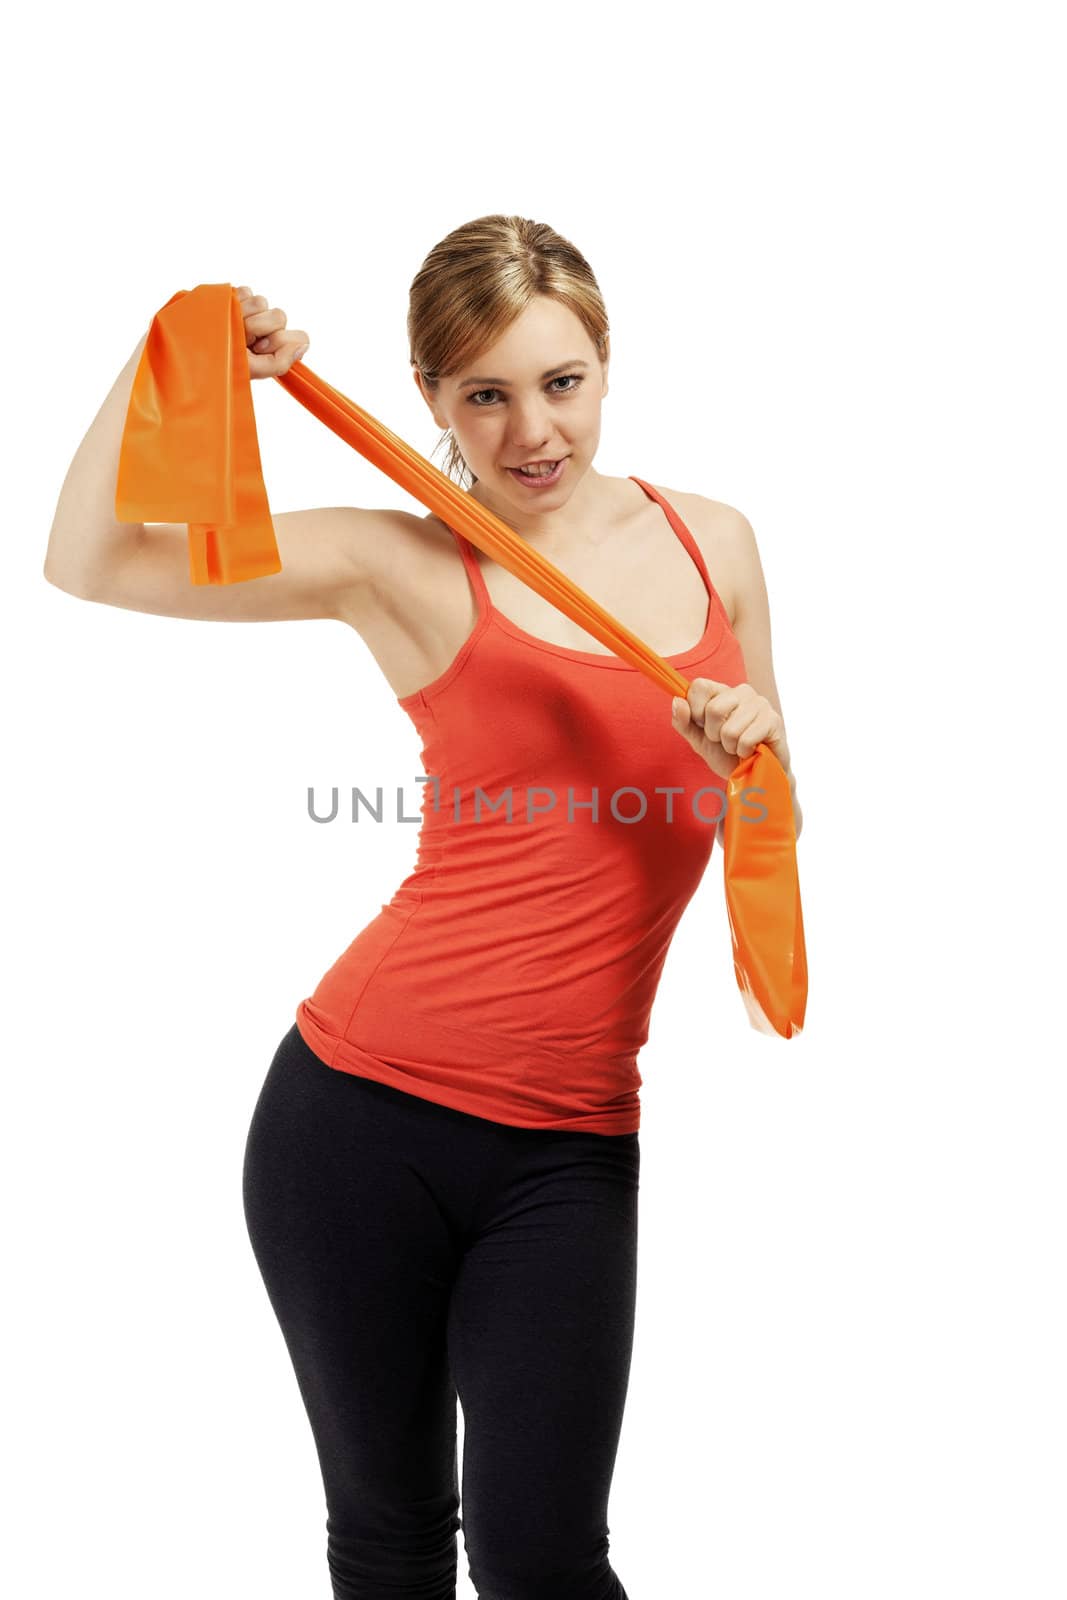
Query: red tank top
564	829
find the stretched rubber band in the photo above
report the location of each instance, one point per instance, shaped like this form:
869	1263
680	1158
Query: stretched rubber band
190	454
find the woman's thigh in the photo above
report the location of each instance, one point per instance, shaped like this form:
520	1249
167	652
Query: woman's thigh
358	1264
540	1336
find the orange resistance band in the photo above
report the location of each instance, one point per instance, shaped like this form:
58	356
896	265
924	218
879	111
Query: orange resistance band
190	454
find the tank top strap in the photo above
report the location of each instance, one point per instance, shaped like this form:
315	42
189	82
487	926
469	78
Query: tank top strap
474	573
683	534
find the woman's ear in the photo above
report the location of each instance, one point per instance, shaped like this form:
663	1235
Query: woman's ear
429	398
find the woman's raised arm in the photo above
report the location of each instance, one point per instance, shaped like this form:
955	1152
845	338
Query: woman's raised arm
326	553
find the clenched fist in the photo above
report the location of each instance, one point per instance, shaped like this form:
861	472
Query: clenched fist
725	722
272	348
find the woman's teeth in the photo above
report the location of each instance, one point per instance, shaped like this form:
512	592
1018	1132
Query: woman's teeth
539	474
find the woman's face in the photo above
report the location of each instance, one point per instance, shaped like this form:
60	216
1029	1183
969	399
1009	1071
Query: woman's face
532	396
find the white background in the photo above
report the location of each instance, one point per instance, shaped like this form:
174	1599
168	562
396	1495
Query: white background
827	239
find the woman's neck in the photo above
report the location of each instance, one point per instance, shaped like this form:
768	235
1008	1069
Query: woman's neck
587	517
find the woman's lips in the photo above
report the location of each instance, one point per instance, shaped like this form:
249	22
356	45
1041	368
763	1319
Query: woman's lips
544	481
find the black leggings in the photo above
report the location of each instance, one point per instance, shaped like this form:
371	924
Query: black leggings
412	1252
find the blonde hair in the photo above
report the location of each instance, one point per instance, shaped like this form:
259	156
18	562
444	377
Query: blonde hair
473	285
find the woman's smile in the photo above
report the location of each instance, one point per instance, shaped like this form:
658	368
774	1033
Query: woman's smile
539	479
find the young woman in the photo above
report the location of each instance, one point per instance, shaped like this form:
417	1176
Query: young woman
442	1168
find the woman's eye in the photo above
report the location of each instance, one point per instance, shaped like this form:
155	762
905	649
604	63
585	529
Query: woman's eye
571	378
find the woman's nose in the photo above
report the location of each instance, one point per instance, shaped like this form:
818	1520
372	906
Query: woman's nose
529	429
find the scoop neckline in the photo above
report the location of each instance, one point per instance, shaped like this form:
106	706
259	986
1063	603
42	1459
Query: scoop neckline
600	658
489	613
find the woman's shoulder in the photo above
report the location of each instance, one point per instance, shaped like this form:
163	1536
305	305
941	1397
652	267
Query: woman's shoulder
714	524
423	539
723	534
717	515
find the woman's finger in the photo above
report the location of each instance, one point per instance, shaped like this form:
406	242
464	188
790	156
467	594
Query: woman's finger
260	323
276	362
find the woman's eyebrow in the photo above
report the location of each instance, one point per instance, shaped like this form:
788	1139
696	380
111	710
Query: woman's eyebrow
502	383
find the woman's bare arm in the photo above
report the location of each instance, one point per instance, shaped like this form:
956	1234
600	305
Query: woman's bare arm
752	629
326	553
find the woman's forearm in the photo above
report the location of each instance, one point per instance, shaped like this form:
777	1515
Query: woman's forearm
84	533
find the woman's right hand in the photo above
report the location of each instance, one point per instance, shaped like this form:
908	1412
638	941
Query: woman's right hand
272	348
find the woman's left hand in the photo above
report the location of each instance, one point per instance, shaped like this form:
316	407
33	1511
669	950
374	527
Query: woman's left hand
725	722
